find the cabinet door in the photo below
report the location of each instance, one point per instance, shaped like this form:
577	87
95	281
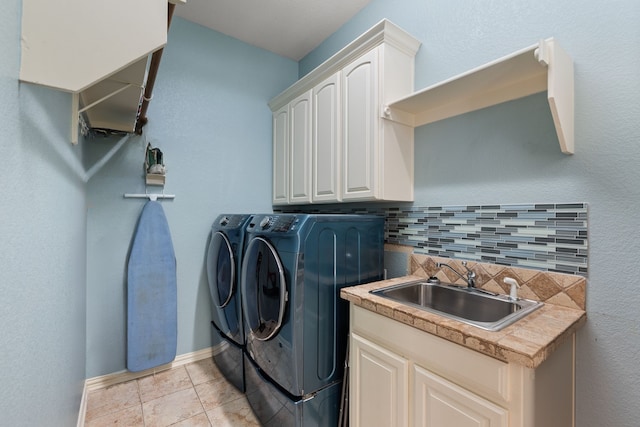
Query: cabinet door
440	403
360	135
281	156
326	140
378	386
300	149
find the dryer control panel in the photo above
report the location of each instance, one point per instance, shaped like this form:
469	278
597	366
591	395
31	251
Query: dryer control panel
275	223
230	220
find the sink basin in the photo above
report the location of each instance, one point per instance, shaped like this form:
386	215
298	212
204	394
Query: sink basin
473	306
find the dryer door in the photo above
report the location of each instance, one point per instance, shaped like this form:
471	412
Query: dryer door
264	289
221	270
221	275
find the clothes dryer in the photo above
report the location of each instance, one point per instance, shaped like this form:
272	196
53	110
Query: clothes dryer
296	324
224	260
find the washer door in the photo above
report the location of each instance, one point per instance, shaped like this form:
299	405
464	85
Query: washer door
221	270
264	289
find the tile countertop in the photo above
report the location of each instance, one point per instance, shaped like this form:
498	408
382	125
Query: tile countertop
527	342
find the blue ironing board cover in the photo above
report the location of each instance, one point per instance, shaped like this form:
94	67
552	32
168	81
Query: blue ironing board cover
151	292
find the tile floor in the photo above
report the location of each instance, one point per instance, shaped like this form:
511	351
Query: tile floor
192	395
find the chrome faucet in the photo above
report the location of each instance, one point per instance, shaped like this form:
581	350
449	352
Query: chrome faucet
470	277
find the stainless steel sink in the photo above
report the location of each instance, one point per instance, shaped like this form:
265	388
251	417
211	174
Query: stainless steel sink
473	306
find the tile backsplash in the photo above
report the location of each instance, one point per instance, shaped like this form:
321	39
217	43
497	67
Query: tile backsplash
540	236
550	237
567	290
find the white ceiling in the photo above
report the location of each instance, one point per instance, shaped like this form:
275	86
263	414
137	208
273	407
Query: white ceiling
290	28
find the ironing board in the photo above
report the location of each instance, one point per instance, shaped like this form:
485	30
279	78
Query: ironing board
151	292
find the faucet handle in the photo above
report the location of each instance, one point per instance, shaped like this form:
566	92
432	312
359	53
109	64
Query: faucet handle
469	271
471	275
513	293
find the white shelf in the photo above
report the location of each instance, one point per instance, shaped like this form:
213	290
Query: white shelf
544	66
97	51
155	179
71	45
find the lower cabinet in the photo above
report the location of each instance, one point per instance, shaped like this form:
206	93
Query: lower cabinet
438	402
379	386
401	376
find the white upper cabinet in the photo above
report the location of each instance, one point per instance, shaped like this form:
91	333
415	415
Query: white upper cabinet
96	50
300	149
292	152
378	154
326	140
544	66
355	154
281	156
360	153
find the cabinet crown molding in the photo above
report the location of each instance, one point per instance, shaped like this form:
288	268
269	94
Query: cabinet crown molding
384	31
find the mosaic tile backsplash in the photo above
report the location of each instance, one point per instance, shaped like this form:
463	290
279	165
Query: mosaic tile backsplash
551	237
548	237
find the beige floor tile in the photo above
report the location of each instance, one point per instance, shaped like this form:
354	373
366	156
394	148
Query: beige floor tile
200	420
203	371
172	408
217	392
130	417
170	399
234	414
112	399
163	383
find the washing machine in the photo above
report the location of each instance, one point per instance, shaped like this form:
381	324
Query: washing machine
224	260
295	321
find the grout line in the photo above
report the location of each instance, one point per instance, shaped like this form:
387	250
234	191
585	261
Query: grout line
144	423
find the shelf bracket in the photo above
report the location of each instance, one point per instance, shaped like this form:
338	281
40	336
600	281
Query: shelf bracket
542	53
398	116
560	93
104	98
75	117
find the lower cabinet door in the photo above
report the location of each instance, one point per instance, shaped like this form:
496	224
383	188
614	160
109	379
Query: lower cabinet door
379	385
440	403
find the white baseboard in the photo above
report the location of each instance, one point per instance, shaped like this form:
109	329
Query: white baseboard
83	406
108	380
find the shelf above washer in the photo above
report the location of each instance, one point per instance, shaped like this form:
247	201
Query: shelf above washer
543	66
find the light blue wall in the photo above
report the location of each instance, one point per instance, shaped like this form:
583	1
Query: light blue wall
42	247
210	106
510	154
210	117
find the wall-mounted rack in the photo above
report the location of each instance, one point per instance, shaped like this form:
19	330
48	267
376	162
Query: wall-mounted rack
543	66
150	196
